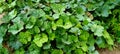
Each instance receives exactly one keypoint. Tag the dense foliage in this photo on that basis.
(58, 26)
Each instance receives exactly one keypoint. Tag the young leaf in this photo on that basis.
(40, 39)
(107, 37)
(59, 23)
(25, 37)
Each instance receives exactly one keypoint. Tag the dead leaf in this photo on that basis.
(1, 16)
(89, 15)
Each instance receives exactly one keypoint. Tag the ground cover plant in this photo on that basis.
(58, 26)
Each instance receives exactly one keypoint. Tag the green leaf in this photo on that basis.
(39, 40)
(4, 51)
(80, 10)
(80, 17)
(15, 44)
(67, 25)
(100, 42)
(46, 26)
(31, 22)
(52, 36)
(55, 16)
(97, 29)
(54, 26)
(41, 13)
(20, 51)
(75, 30)
(85, 22)
(12, 4)
(108, 38)
(55, 51)
(1, 39)
(9, 16)
(84, 36)
(58, 8)
(95, 52)
(46, 46)
(91, 48)
(78, 51)
(25, 37)
(36, 29)
(84, 47)
(1, 9)
(59, 23)
(50, 18)
(105, 11)
(16, 27)
(16, 20)
(73, 38)
(3, 30)
(12, 14)
(33, 49)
